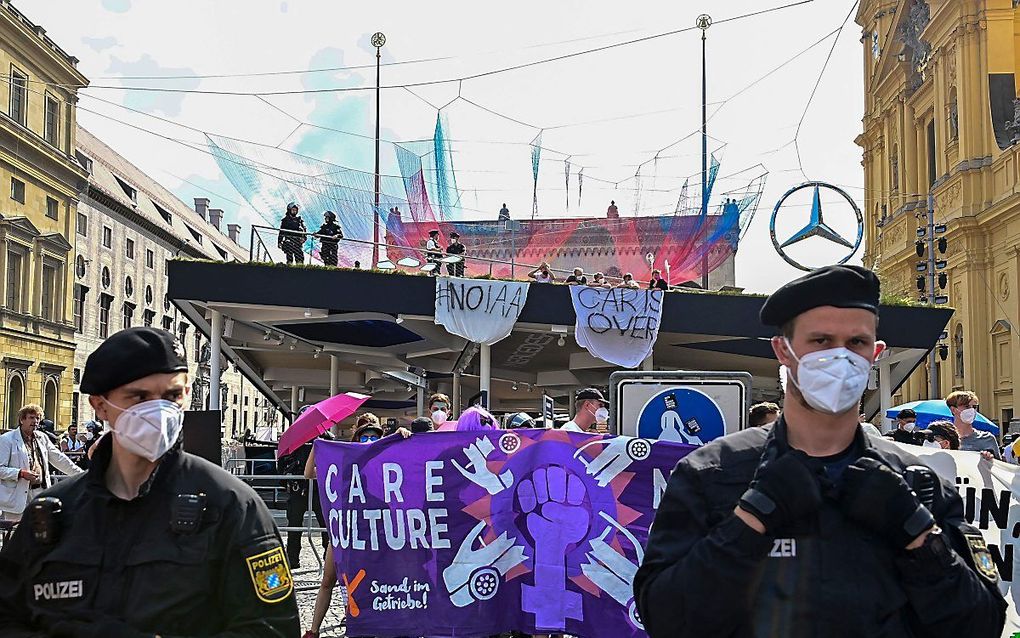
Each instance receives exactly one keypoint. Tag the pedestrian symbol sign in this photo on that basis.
(682, 415)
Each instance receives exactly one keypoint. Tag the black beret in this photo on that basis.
(840, 286)
(129, 355)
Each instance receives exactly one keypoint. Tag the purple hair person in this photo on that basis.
(474, 419)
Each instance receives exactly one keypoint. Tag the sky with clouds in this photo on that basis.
(618, 113)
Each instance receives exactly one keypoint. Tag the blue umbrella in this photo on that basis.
(936, 410)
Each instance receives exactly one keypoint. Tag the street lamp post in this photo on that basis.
(704, 22)
(378, 40)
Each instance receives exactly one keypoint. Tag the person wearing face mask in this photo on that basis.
(589, 404)
(292, 235)
(906, 428)
(151, 541)
(788, 518)
(942, 434)
(964, 406)
(439, 409)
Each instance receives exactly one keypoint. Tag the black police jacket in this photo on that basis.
(705, 573)
(329, 231)
(117, 560)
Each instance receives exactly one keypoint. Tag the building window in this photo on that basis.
(84, 161)
(958, 352)
(129, 248)
(150, 259)
(51, 130)
(15, 396)
(164, 213)
(182, 331)
(80, 267)
(147, 317)
(194, 233)
(105, 301)
(17, 190)
(19, 96)
(168, 324)
(128, 189)
(129, 314)
(894, 168)
(52, 208)
(107, 237)
(48, 301)
(15, 279)
(81, 226)
(198, 346)
(932, 164)
(50, 394)
(105, 277)
(75, 398)
(166, 303)
(79, 307)
(129, 287)
(953, 115)
(148, 295)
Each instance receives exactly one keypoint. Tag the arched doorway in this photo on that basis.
(15, 398)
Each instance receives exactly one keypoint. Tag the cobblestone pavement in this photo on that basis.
(306, 580)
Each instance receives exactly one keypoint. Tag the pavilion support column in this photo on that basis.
(215, 363)
(293, 401)
(885, 392)
(485, 373)
(455, 408)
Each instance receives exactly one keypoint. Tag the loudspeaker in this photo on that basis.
(202, 435)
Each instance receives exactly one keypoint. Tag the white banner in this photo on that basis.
(617, 325)
(991, 502)
(480, 310)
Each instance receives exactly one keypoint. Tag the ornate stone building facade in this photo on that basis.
(939, 119)
(127, 228)
(39, 189)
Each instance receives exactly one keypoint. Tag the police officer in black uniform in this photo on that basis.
(329, 235)
(151, 541)
(810, 527)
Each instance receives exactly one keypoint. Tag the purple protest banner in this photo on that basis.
(476, 533)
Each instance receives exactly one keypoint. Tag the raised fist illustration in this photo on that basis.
(556, 517)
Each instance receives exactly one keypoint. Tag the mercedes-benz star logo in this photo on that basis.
(816, 226)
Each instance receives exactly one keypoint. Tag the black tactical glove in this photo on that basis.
(101, 628)
(784, 490)
(876, 497)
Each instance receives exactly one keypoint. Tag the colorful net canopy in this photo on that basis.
(680, 238)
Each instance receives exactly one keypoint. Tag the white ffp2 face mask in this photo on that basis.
(439, 417)
(831, 381)
(969, 415)
(602, 415)
(150, 428)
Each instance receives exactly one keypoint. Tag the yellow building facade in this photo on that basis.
(40, 183)
(941, 118)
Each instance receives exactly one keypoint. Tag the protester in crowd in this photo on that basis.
(542, 274)
(628, 282)
(330, 234)
(292, 235)
(943, 434)
(72, 444)
(763, 414)
(440, 409)
(521, 420)
(657, 282)
(476, 418)
(589, 405)
(49, 428)
(357, 265)
(601, 424)
(456, 249)
(422, 425)
(599, 281)
(25, 458)
(906, 428)
(504, 213)
(577, 278)
(367, 430)
(433, 253)
(810, 527)
(1011, 448)
(964, 406)
(172, 545)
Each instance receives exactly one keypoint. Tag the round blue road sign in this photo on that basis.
(683, 415)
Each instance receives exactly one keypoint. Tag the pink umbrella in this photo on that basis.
(319, 418)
